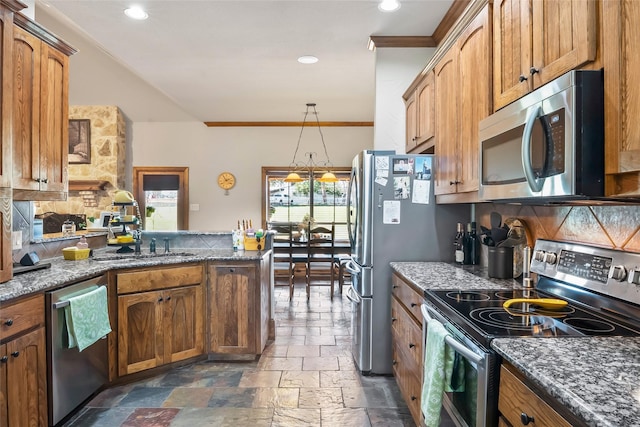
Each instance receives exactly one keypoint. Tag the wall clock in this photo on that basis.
(226, 181)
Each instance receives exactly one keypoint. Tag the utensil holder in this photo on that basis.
(500, 262)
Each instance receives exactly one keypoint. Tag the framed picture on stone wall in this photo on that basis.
(79, 141)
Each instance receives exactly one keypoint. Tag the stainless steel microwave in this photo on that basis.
(548, 144)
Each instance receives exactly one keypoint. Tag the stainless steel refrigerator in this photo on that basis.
(392, 216)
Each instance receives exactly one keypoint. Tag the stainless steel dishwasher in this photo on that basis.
(73, 376)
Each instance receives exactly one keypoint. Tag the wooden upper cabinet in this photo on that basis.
(411, 123)
(511, 50)
(621, 38)
(40, 119)
(536, 41)
(420, 115)
(462, 99)
(446, 106)
(474, 53)
(6, 40)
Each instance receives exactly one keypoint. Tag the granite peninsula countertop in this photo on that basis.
(595, 378)
(63, 272)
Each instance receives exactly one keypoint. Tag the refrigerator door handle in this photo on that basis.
(352, 267)
(355, 298)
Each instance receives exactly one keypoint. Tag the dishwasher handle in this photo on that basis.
(452, 342)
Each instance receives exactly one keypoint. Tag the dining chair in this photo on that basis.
(282, 249)
(320, 253)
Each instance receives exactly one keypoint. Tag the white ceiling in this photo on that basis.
(235, 60)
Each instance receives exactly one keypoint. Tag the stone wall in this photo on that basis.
(108, 154)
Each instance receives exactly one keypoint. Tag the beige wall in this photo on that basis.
(242, 151)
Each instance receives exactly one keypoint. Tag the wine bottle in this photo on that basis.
(471, 249)
(458, 244)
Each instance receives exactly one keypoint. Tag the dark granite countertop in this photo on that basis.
(596, 378)
(63, 272)
(442, 275)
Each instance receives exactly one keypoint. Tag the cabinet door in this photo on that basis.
(411, 123)
(474, 53)
(447, 117)
(184, 323)
(232, 309)
(425, 114)
(564, 37)
(26, 110)
(54, 121)
(511, 50)
(4, 359)
(6, 40)
(6, 259)
(27, 373)
(140, 331)
(621, 39)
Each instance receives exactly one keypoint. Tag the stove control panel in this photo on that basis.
(607, 271)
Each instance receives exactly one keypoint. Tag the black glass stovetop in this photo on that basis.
(481, 314)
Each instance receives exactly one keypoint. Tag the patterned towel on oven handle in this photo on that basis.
(443, 371)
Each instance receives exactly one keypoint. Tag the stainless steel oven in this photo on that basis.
(548, 144)
(472, 406)
(600, 288)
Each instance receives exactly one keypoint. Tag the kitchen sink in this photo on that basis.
(134, 257)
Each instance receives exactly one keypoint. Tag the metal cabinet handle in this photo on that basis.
(15, 354)
(231, 270)
(411, 345)
(534, 70)
(8, 322)
(393, 319)
(4, 359)
(413, 304)
(394, 362)
(522, 78)
(526, 419)
(44, 180)
(168, 298)
(414, 398)
(160, 299)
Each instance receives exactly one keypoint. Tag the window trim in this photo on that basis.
(139, 173)
(284, 170)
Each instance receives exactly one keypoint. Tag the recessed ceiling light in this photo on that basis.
(389, 5)
(136, 12)
(307, 59)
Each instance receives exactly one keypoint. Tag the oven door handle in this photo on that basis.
(535, 184)
(452, 342)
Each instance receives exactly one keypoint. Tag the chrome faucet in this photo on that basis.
(166, 245)
(152, 245)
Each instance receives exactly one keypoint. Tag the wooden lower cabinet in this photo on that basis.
(23, 364)
(156, 327)
(406, 335)
(518, 404)
(239, 308)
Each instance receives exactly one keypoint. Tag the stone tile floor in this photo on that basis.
(306, 377)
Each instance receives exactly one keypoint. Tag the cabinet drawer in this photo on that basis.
(408, 334)
(410, 384)
(162, 278)
(517, 400)
(411, 298)
(21, 316)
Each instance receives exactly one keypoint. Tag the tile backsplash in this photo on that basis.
(615, 227)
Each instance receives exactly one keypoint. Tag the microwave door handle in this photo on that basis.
(452, 342)
(534, 183)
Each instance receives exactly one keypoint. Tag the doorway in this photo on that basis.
(163, 196)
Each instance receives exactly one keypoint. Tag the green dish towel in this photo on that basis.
(87, 318)
(439, 361)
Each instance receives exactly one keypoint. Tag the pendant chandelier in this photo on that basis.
(310, 164)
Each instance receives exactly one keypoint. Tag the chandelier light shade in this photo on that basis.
(310, 165)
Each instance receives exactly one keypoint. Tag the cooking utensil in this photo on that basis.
(546, 303)
(496, 220)
(498, 235)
